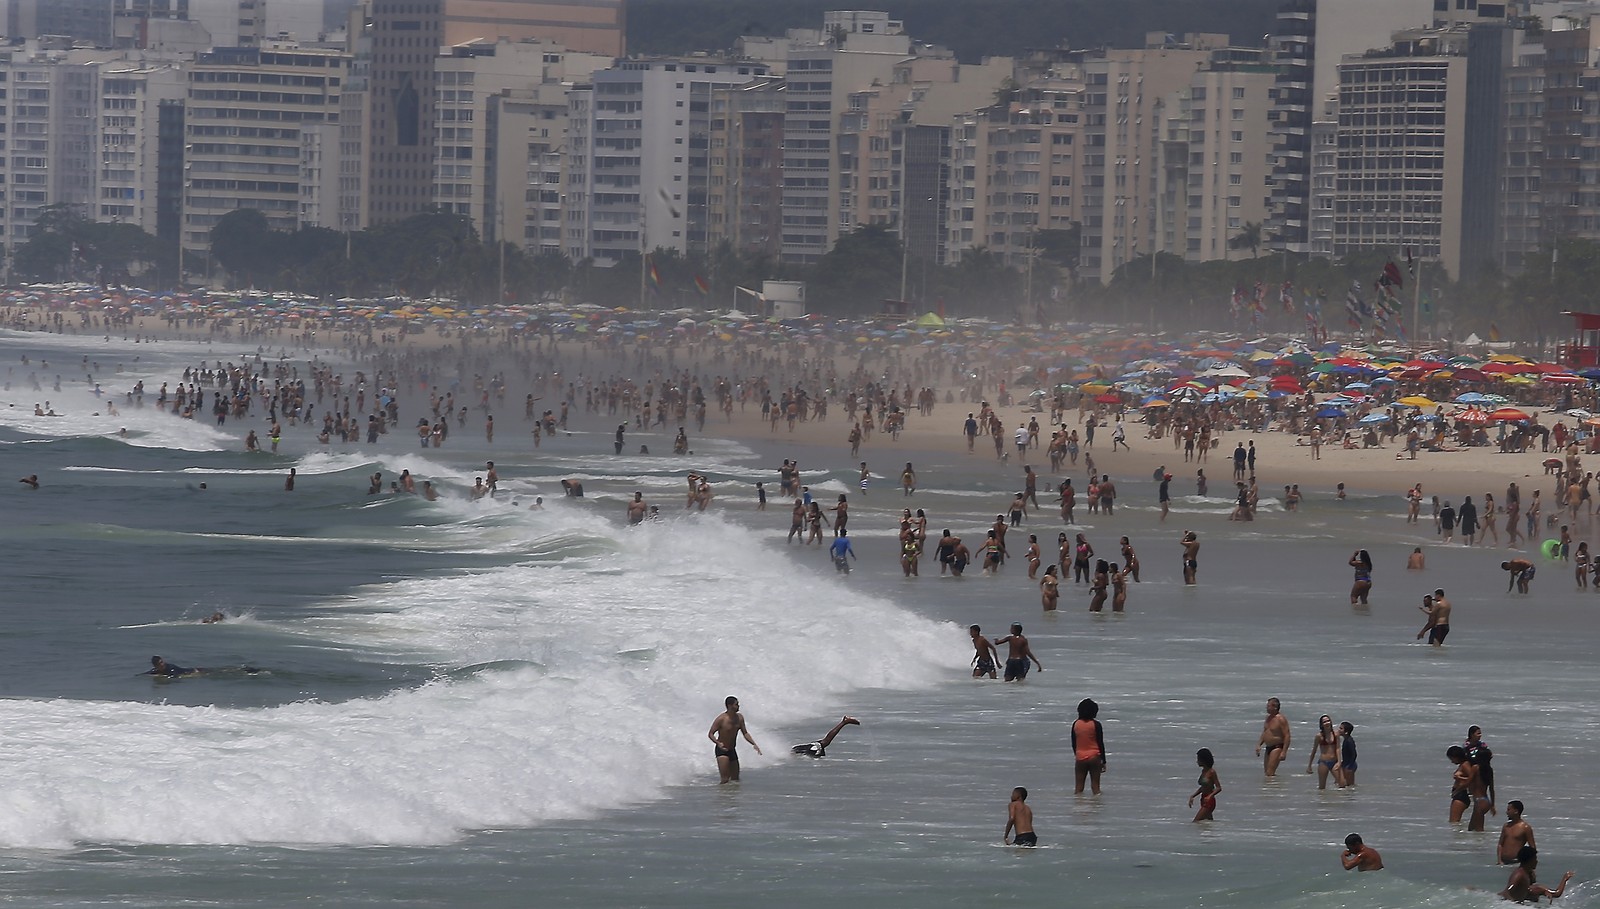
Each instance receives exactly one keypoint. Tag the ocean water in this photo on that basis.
(462, 704)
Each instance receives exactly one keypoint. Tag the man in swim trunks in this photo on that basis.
(1273, 744)
(820, 748)
(1019, 817)
(637, 509)
(1514, 836)
(1018, 654)
(1521, 571)
(983, 662)
(725, 732)
(1440, 618)
(947, 550)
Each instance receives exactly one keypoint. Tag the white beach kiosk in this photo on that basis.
(777, 300)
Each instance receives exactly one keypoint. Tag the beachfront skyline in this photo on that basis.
(1352, 129)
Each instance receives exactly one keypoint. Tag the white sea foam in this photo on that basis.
(611, 653)
(146, 427)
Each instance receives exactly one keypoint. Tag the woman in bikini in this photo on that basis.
(1129, 560)
(1325, 752)
(1102, 580)
(1032, 555)
(1461, 782)
(1362, 563)
(1049, 589)
(1119, 588)
(1210, 786)
(1081, 554)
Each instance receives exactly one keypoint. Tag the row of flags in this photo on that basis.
(1382, 316)
(700, 283)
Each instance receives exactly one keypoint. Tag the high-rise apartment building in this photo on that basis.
(527, 147)
(1309, 39)
(1228, 175)
(1017, 168)
(51, 135)
(132, 99)
(467, 77)
(1570, 179)
(1420, 147)
(405, 35)
(638, 146)
(744, 189)
(822, 73)
(1122, 157)
(262, 134)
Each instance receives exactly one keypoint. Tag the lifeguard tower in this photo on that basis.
(1583, 350)
(779, 299)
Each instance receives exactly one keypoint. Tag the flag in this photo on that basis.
(1391, 274)
(1494, 332)
(1354, 306)
(1236, 305)
(1259, 304)
(702, 285)
(1286, 297)
(655, 276)
(1411, 264)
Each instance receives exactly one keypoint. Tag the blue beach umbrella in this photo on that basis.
(1372, 418)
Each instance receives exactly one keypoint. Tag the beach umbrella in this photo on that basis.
(1563, 379)
(1108, 398)
(1508, 415)
(1472, 397)
(1580, 413)
(1373, 418)
(1329, 411)
(1417, 401)
(1473, 417)
(1157, 402)
(1359, 386)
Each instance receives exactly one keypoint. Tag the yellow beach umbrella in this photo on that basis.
(1416, 401)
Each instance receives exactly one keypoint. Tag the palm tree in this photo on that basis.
(1248, 237)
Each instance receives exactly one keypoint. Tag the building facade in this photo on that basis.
(255, 119)
(639, 143)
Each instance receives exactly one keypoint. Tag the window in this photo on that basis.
(1238, 94)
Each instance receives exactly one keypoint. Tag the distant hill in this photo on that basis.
(971, 28)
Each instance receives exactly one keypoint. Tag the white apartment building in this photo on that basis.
(822, 74)
(254, 119)
(527, 143)
(638, 155)
(131, 99)
(1228, 181)
(466, 78)
(1122, 160)
(49, 135)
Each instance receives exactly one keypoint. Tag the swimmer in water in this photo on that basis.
(1523, 887)
(1019, 817)
(31, 481)
(162, 668)
(820, 748)
(1358, 856)
(213, 618)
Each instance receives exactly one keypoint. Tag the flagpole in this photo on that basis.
(1416, 304)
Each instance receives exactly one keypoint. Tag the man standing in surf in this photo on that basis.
(724, 733)
(1274, 740)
